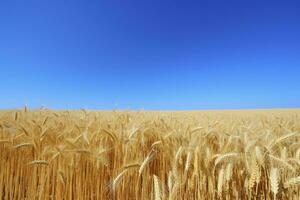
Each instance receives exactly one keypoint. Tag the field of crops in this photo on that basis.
(47, 154)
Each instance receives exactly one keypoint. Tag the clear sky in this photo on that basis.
(158, 54)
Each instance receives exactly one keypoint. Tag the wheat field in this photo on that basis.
(84, 154)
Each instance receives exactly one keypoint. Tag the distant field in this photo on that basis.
(241, 154)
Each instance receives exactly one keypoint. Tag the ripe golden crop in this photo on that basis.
(47, 154)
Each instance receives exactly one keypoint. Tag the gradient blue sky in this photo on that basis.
(150, 54)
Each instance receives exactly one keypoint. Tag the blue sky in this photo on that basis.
(156, 54)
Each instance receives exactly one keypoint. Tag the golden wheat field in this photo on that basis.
(83, 154)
